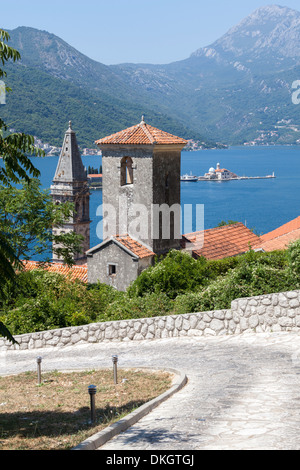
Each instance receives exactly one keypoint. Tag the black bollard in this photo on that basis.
(39, 373)
(115, 363)
(92, 391)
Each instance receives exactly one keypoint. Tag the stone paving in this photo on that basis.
(242, 393)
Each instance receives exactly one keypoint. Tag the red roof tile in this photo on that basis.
(280, 243)
(142, 134)
(222, 242)
(283, 230)
(134, 246)
(75, 272)
(280, 238)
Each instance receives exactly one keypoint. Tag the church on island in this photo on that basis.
(141, 179)
(220, 174)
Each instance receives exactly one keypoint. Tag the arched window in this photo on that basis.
(126, 171)
(167, 181)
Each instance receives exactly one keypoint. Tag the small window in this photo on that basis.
(126, 171)
(167, 181)
(112, 269)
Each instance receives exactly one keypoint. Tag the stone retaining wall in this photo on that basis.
(274, 312)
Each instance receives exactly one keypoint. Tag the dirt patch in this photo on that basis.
(56, 415)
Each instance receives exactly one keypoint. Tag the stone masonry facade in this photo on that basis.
(266, 313)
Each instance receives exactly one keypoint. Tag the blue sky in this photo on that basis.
(117, 31)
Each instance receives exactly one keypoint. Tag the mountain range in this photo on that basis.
(237, 90)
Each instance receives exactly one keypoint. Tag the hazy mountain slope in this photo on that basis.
(42, 105)
(47, 52)
(233, 90)
(242, 79)
(270, 37)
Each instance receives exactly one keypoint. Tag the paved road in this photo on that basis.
(242, 392)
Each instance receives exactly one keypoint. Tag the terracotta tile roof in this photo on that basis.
(76, 272)
(279, 243)
(283, 230)
(142, 134)
(134, 246)
(222, 242)
(280, 238)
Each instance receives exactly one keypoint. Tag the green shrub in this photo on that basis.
(41, 300)
(176, 273)
(249, 279)
(293, 254)
(150, 305)
(177, 284)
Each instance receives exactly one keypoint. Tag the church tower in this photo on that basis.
(141, 203)
(141, 170)
(70, 184)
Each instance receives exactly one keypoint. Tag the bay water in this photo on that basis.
(261, 204)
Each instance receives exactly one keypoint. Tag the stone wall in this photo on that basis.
(274, 312)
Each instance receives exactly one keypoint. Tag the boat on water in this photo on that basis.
(189, 178)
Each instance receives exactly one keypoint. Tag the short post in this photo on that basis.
(92, 391)
(115, 363)
(39, 374)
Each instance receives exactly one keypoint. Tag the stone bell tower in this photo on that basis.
(141, 175)
(70, 184)
(141, 203)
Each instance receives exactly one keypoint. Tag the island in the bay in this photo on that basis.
(221, 174)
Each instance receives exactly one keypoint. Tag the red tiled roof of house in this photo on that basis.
(279, 243)
(283, 230)
(75, 272)
(222, 242)
(142, 134)
(134, 246)
(280, 238)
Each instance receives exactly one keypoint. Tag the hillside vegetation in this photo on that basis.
(178, 284)
(237, 89)
(42, 105)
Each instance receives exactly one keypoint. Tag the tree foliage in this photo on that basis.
(14, 150)
(6, 52)
(27, 216)
(14, 147)
(7, 273)
(40, 300)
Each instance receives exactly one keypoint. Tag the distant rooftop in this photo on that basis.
(280, 238)
(222, 242)
(135, 247)
(75, 272)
